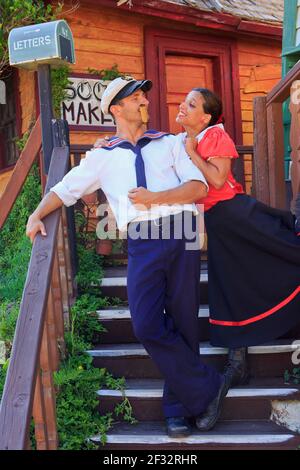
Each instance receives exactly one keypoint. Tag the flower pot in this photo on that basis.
(104, 247)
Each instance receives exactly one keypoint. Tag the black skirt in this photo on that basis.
(253, 272)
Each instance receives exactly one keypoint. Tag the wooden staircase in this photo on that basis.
(247, 420)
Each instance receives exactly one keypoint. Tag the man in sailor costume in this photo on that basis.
(163, 275)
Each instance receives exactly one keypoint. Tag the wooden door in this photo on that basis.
(182, 74)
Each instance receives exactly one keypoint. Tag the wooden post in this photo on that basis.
(58, 307)
(63, 272)
(52, 336)
(48, 389)
(39, 415)
(276, 155)
(295, 146)
(45, 97)
(260, 162)
(67, 253)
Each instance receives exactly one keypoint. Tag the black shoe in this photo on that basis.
(212, 414)
(236, 371)
(178, 427)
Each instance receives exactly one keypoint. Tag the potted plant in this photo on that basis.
(104, 247)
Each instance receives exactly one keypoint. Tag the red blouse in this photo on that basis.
(217, 143)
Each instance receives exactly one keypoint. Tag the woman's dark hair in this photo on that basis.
(212, 105)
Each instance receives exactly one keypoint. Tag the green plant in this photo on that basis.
(15, 247)
(77, 405)
(9, 312)
(292, 376)
(59, 82)
(107, 74)
(84, 319)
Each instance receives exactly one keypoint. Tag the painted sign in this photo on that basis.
(82, 107)
(45, 43)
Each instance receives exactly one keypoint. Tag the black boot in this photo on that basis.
(178, 427)
(236, 371)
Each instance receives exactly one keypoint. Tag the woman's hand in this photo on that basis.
(141, 198)
(102, 142)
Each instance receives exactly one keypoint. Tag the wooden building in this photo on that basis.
(232, 47)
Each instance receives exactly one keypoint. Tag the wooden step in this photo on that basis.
(114, 284)
(250, 402)
(117, 322)
(233, 435)
(132, 360)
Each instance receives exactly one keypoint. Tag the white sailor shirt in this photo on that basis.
(112, 169)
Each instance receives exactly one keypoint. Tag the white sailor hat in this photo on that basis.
(120, 88)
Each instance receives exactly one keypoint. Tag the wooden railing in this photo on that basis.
(269, 143)
(20, 172)
(39, 337)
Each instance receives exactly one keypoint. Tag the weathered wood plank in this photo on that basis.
(126, 63)
(252, 58)
(110, 47)
(63, 273)
(39, 415)
(48, 389)
(52, 335)
(276, 155)
(58, 307)
(260, 158)
(99, 33)
(17, 400)
(67, 255)
(108, 19)
(20, 172)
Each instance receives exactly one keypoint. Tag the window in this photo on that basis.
(8, 124)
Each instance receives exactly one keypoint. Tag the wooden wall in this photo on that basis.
(27, 98)
(260, 70)
(4, 178)
(104, 37)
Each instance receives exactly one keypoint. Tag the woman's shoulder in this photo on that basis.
(217, 142)
(216, 133)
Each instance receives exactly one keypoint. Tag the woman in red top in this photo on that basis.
(253, 249)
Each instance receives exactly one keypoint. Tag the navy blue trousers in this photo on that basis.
(163, 292)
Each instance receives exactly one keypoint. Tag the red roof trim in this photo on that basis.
(207, 19)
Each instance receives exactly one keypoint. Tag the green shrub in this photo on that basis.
(78, 417)
(15, 247)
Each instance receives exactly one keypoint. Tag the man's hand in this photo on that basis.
(141, 197)
(102, 142)
(34, 225)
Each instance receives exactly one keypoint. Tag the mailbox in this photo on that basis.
(45, 43)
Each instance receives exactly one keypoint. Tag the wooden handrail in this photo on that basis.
(281, 92)
(269, 143)
(20, 172)
(29, 377)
